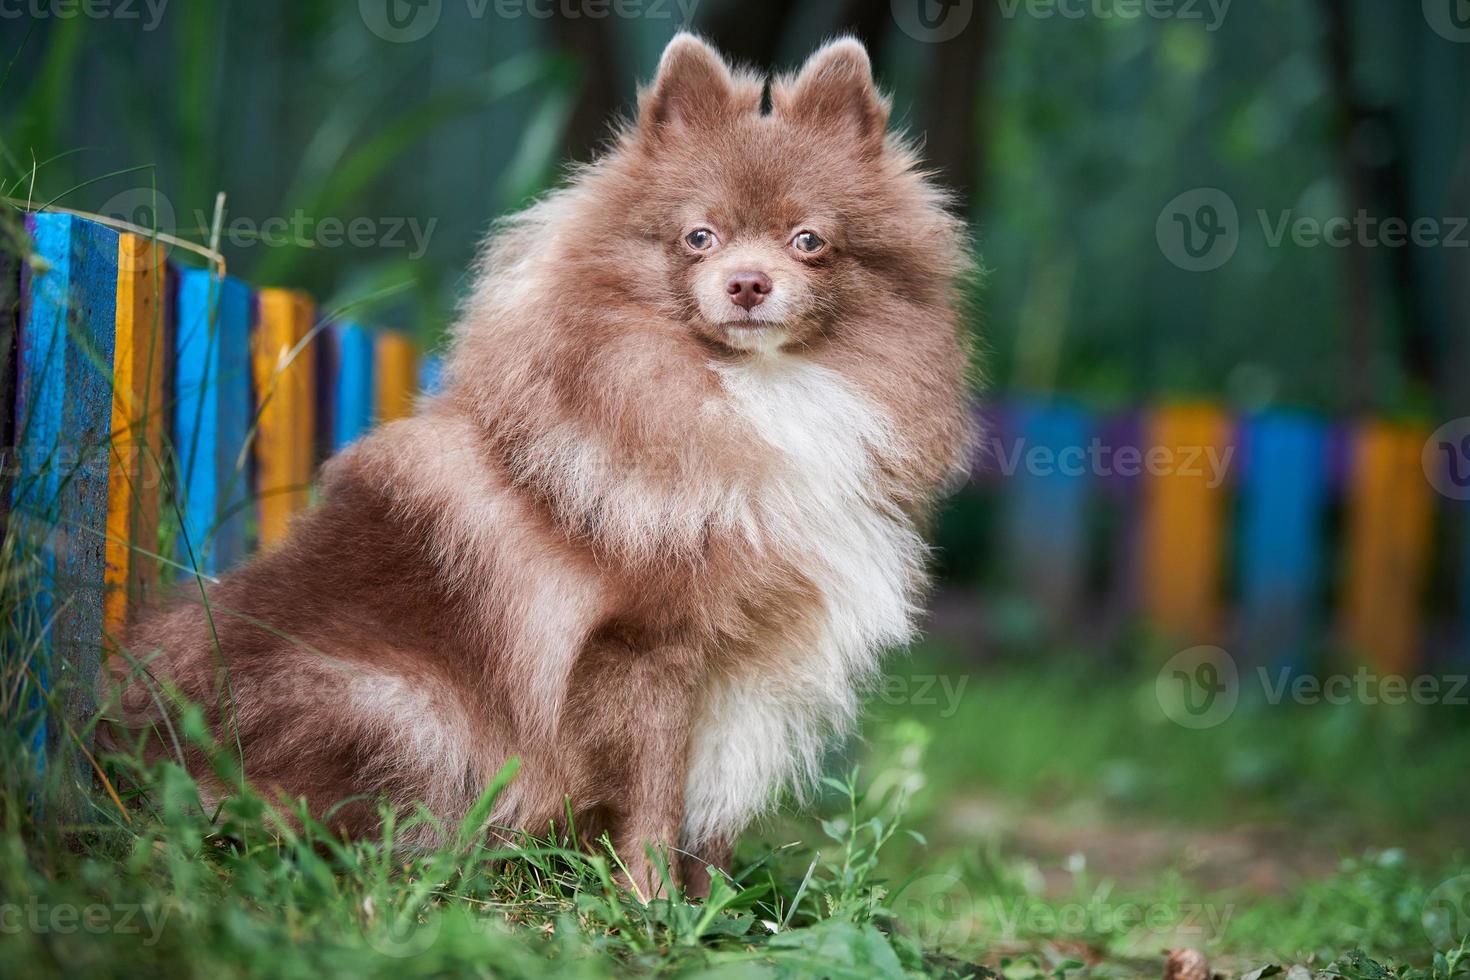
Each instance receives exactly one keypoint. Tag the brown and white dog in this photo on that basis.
(659, 528)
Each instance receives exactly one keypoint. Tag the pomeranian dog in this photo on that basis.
(663, 521)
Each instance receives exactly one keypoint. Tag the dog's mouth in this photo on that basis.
(758, 336)
(752, 325)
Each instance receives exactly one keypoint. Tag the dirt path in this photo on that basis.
(1259, 859)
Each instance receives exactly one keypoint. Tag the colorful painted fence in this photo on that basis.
(1284, 536)
(165, 421)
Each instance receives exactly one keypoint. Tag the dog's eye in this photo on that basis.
(700, 239)
(809, 242)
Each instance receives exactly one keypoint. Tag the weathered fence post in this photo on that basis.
(138, 406)
(282, 356)
(1282, 530)
(64, 362)
(211, 418)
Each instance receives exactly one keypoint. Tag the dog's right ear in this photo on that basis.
(693, 85)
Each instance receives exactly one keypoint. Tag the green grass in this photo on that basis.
(874, 882)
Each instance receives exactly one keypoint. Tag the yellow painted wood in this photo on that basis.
(140, 354)
(396, 372)
(1183, 534)
(285, 379)
(1390, 527)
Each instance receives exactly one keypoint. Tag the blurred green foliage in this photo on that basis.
(1081, 130)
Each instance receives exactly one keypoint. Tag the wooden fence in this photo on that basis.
(1282, 535)
(153, 404)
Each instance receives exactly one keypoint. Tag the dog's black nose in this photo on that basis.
(748, 289)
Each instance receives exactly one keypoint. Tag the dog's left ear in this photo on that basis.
(835, 88)
(693, 86)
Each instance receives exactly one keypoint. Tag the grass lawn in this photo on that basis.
(1040, 822)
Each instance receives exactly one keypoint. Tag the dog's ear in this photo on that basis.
(835, 88)
(693, 85)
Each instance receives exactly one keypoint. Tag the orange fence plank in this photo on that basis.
(1390, 522)
(139, 355)
(285, 375)
(397, 376)
(1187, 456)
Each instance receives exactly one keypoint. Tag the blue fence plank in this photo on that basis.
(9, 321)
(212, 412)
(431, 374)
(1048, 474)
(63, 420)
(353, 388)
(1283, 508)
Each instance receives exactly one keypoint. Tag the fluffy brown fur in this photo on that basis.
(650, 540)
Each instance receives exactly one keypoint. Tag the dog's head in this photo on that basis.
(763, 230)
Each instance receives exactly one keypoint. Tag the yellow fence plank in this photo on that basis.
(1390, 523)
(139, 357)
(285, 376)
(396, 371)
(1184, 519)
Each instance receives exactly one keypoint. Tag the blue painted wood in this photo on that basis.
(9, 324)
(1283, 509)
(1048, 473)
(212, 412)
(353, 410)
(59, 499)
(431, 374)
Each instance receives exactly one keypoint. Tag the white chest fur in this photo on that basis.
(763, 730)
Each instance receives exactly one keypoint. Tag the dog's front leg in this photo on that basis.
(657, 717)
(694, 866)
